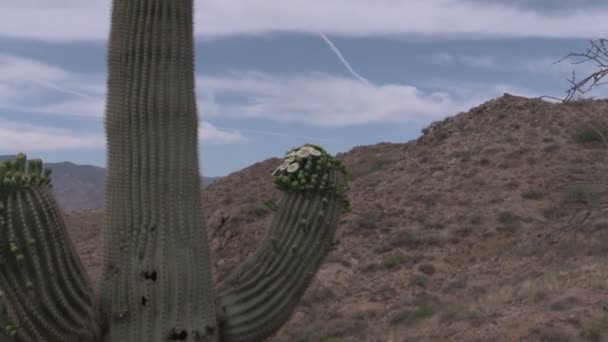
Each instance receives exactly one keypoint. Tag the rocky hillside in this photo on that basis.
(486, 228)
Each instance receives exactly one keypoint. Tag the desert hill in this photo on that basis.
(467, 233)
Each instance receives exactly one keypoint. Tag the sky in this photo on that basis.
(275, 74)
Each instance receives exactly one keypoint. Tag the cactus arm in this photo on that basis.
(260, 296)
(45, 294)
(156, 278)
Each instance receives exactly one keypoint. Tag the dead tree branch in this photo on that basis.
(598, 53)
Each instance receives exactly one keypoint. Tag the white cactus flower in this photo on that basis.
(314, 152)
(302, 153)
(283, 166)
(289, 160)
(293, 168)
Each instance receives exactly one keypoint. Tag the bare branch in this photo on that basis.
(598, 53)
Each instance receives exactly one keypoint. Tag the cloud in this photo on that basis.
(472, 94)
(311, 99)
(481, 61)
(210, 134)
(14, 67)
(291, 135)
(93, 108)
(320, 99)
(63, 93)
(15, 136)
(316, 99)
(89, 20)
(55, 90)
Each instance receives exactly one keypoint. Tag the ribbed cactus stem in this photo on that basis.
(45, 294)
(260, 296)
(156, 281)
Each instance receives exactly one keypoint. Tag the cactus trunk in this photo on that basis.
(156, 281)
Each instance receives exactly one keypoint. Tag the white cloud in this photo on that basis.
(210, 134)
(291, 135)
(16, 136)
(14, 67)
(328, 100)
(481, 61)
(82, 96)
(28, 85)
(87, 108)
(85, 20)
(474, 93)
(22, 80)
(313, 99)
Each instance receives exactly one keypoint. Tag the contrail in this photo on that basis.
(62, 89)
(341, 58)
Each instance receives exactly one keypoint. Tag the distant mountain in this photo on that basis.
(77, 187)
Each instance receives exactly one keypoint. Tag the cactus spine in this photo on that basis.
(45, 294)
(156, 279)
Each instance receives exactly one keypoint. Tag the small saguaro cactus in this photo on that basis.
(45, 294)
(156, 280)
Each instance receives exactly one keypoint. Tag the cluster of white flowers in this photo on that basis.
(290, 164)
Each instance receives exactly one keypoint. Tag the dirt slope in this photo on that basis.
(460, 235)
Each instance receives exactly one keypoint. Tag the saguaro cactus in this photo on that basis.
(156, 278)
(45, 294)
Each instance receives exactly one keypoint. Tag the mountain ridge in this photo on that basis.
(81, 186)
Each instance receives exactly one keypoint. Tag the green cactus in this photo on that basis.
(156, 278)
(260, 296)
(45, 294)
